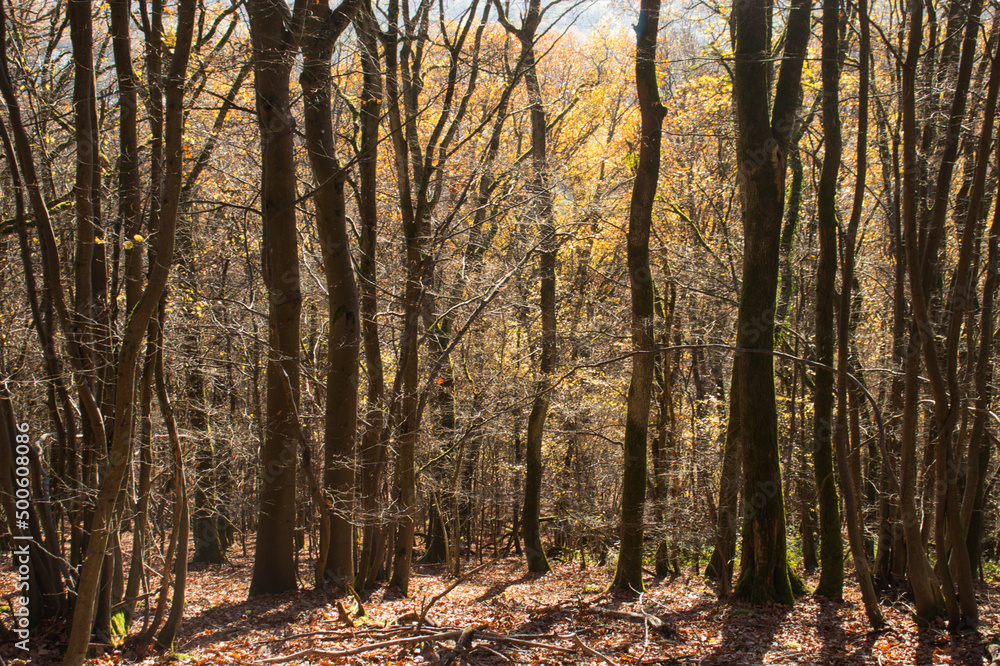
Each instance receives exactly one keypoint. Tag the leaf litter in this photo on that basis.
(501, 614)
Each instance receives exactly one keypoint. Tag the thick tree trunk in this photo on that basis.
(274, 560)
(762, 141)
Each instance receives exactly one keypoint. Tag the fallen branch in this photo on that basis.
(462, 645)
(561, 607)
(497, 638)
(339, 633)
(337, 654)
(645, 627)
(664, 629)
(495, 653)
(591, 651)
(653, 621)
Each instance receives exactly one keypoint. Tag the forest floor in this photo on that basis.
(563, 617)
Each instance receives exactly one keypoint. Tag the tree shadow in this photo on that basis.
(689, 616)
(496, 589)
(233, 618)
(837, 643)
(963, 647)
(541, 623)
(747, 633)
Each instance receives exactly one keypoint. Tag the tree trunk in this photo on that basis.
(323, 28)
(274, 560)
(831, 92)
(628, 575)
(890, 557)
(166, 635)
(924, 233)
(541, 207)
(414, 225)
(140, 510)
(664, 442)
(831, 544)
(373, 440)
(720, 566)
(120, 450)
(419, 180)
(762, 143)
(207, 544)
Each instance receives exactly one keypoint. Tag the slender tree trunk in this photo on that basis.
(980, 449)
(373, 439)
(120, 450)
(923, 249)
(166, 635)
(831, 90)
(721, 564)
(831, 551)
(890, 557)
(48, 593)
(926, 592)
(541, 206)
(628, 575)
(405, 473)
(140, 511)
(323, 28)
(664, 443)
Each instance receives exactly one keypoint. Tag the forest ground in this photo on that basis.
(222, 627)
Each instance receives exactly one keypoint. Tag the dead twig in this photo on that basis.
(645, 627)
